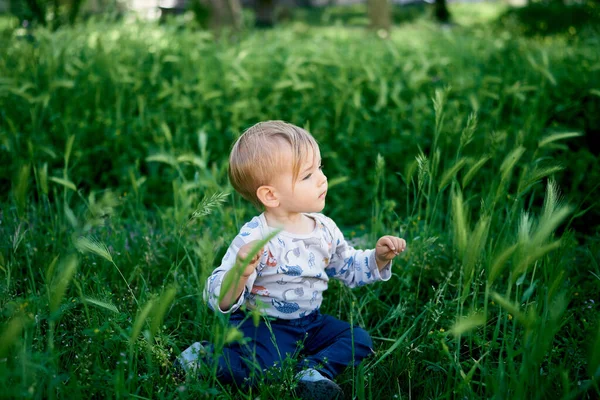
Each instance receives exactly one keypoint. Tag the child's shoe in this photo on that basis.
(314, 386)
(190, 360)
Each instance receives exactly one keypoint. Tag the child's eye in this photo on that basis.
(307, 177)
(321, 166)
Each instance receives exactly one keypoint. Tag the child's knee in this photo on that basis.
(362, 339)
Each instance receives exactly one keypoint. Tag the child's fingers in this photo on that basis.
(256, 258)
(391, 246)
(386, 241)
(244, 251)
(400, 245)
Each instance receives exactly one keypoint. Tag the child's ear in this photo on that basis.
(267, 196)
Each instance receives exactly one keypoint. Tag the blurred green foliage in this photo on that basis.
(115, 88)
(549, 18)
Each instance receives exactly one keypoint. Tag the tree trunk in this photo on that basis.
(75, 11)
(56, 17)
(265, 13)
(38, 10)
(441, 11)
(379, 14)
(225, 13)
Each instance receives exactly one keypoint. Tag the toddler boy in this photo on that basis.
(277, 167)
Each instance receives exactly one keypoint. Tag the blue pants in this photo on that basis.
(326, 343)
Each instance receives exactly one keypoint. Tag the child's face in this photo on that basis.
(308, 192)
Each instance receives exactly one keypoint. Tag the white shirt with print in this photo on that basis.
(295, 269)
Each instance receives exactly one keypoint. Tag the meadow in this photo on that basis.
(473, 142)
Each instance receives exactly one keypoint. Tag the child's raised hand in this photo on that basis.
(387, 248)
(244, 252)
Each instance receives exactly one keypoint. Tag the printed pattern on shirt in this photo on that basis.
(294, 270)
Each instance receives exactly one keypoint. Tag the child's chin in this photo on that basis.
(316, 208)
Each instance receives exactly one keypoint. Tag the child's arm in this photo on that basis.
(227, 285)
(232, 295)
(360, 267)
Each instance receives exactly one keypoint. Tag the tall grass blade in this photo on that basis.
(423, 169)
(11, 334)
(160, 309)
(338, 180)
(530, 179)
(513, 309)
(191, 159)
(557, 136)
(553, 213)
(379, 166)
(439, 103)
(64, 182)
(499, 262)
(552, 200)
(163, 158)
(167, 133)
(68, 150)
(99, 211)
(233, 335)
(531, 255)
(94, 246)
(556, 284)
(101, 304)
(594, 360)
(473, 171)
(61, 281)
(459, 223)
(136, 183)
(70, 216)
(467, 324)
(208, 204)
(468, 377)
(409, 171)
(232, 277)
(50, 270)
(469, 131)
(543, 69)
(397, 343)
(378, 194)
(524, 230)
(203, 145)
(510, 161)
(476, 244)
(42, 177)
(140, 319)
(20, 189)
(450, 173)
(382, 99)
(547, 225)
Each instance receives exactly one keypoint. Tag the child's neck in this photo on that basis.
(296, 223)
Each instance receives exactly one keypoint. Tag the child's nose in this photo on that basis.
(323, 179)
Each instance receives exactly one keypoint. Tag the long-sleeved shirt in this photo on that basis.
(294, 269)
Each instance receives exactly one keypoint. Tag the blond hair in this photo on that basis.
(257, 155)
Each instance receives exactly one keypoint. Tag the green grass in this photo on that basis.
(114, 139)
